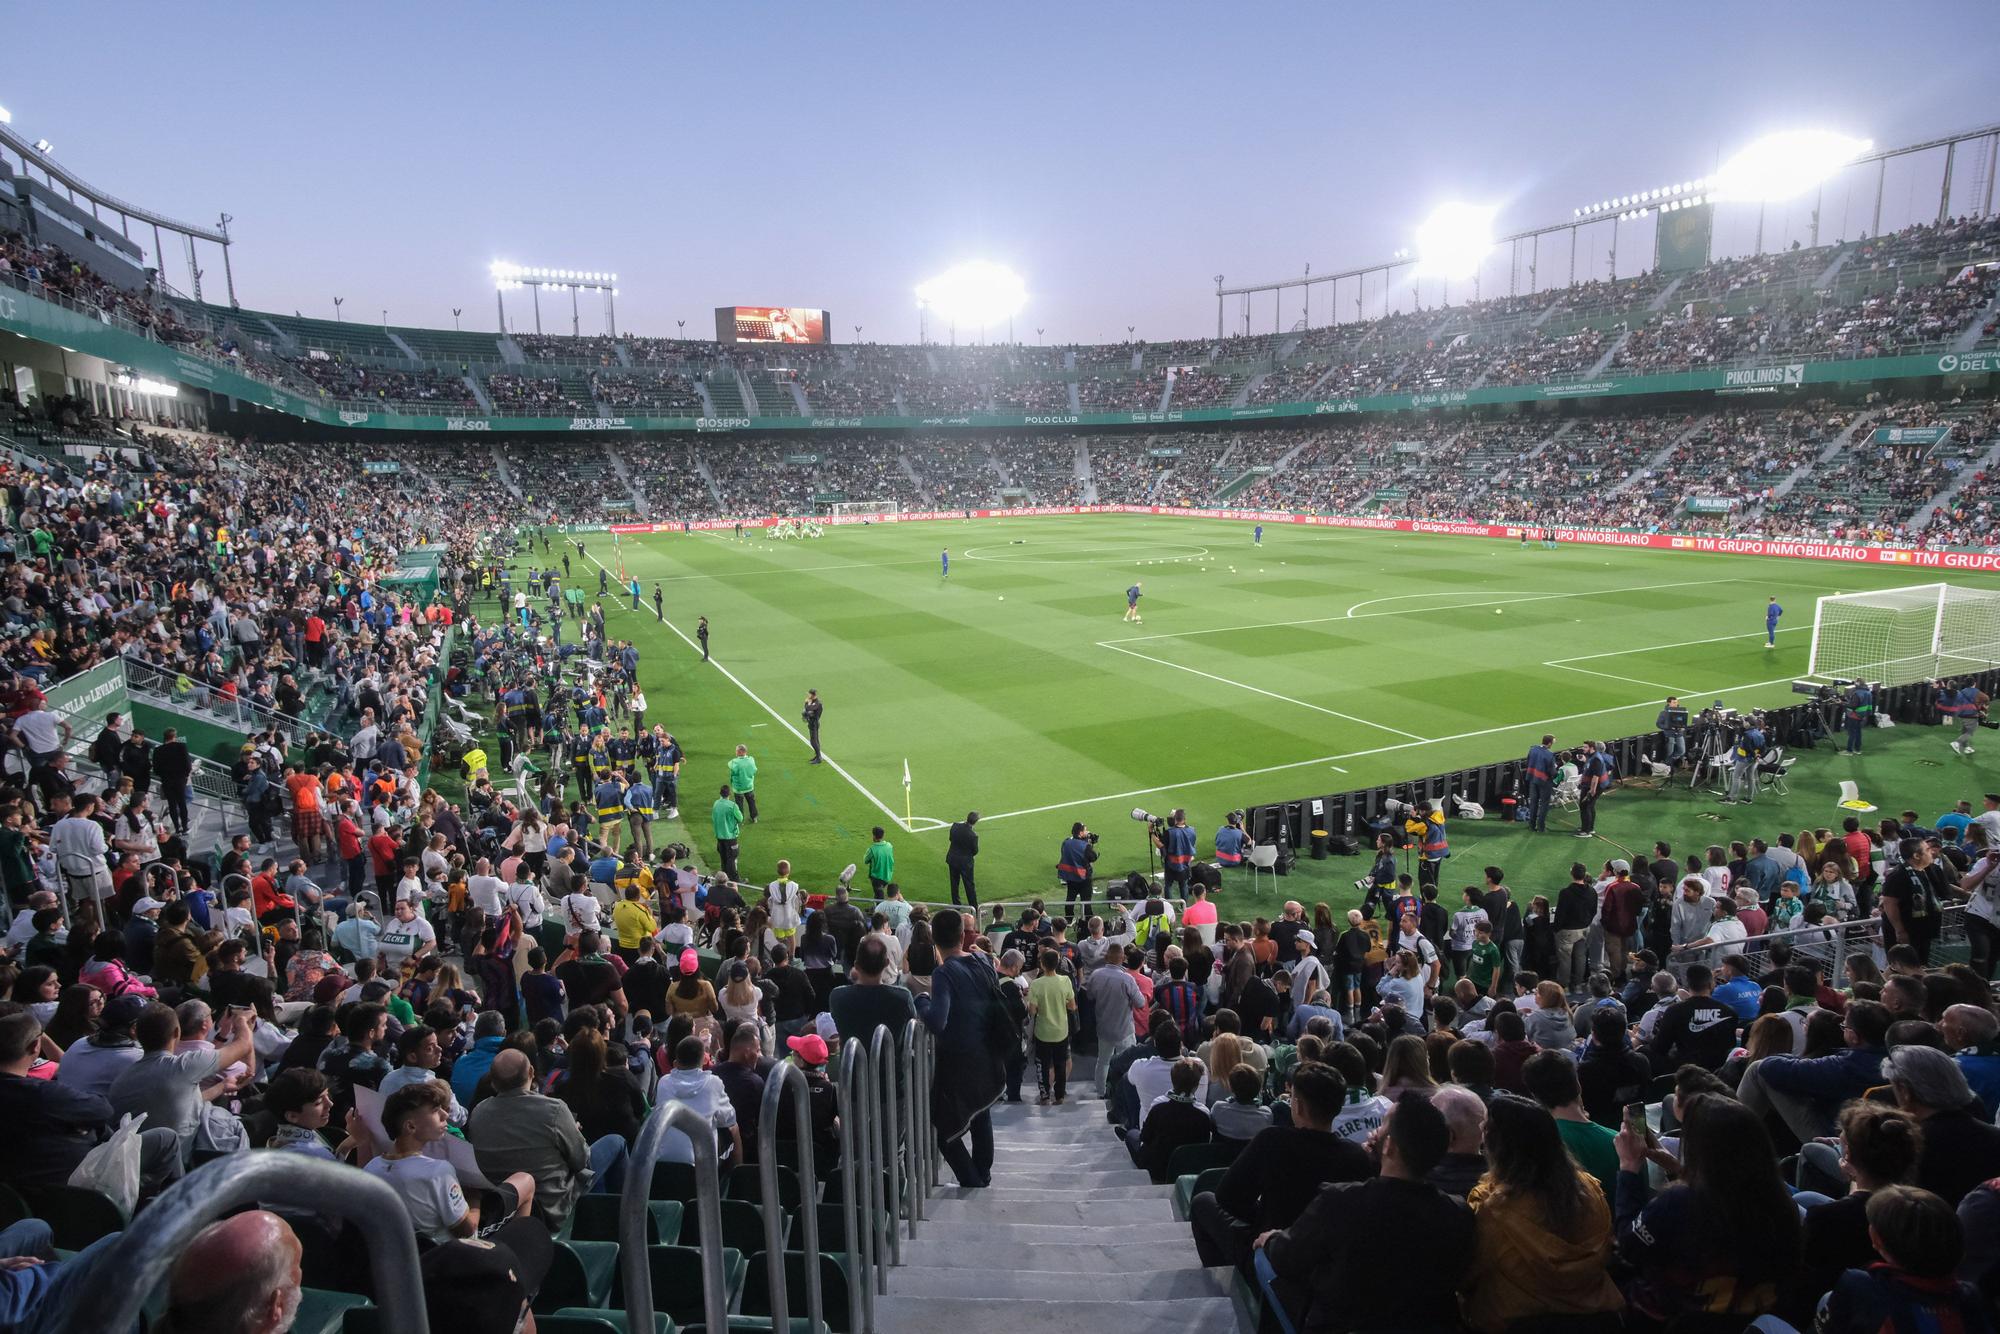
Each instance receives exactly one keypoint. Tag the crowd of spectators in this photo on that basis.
(588, 350)
(528, 393)
(654, 390)
(1194, 387)
(1655, 1094)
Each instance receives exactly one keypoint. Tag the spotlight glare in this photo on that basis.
(978, 292)
(1787, 164)
(1454, 239)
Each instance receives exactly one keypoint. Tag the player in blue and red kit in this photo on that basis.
(1771, 615)
(1132, 603)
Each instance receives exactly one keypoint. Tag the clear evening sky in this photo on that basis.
(835, 155)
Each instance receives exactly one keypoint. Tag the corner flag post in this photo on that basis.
(906, 791)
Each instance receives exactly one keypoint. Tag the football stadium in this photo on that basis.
(518, 813)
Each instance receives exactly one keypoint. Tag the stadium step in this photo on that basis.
(1070, 1236)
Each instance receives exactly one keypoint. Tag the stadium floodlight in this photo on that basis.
(6, 116)
(1454, 239)
(975, 293)
(45, 148)
(1786, 165)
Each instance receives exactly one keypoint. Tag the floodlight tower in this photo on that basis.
(979, 292)
(514, 277)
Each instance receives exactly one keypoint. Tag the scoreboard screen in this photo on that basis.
(770, 324)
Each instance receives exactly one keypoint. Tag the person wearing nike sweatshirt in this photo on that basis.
(1697, 1029)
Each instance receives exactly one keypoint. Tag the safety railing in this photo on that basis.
(634, 1261)
(857, 1168)
(786, 1078)
(140, 1260)
(1829, 945)
(886, 1184)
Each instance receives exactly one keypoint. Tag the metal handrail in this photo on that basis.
(633, 1258)
(887, 1132)
(856, 1166)
(786, 1077)
(912, 1143)
(140, 1260)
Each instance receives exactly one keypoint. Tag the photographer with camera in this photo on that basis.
(1176, 842)
(1857, 708)
(1073, 863)
(1743, 760)
(1232, 845)
(1966, 704)
(1673, 725)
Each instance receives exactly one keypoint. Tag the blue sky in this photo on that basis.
(835, 155)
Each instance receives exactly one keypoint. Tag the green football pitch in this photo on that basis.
(1321, 661)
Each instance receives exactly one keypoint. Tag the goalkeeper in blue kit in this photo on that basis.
(1771, 615)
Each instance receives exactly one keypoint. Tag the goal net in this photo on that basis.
(1899, 635)
(862, 507)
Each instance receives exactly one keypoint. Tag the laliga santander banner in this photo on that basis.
(1792, 548)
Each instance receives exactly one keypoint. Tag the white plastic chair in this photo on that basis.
(1206, 930)
(1264, 857)
(1850, 797)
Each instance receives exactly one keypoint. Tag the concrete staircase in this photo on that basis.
(1070, 1236)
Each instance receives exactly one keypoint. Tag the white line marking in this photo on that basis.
(1497, 600)
(1258, 690)
(1613, 676)
(1685, 643)
(1350, 755)
(782, 721)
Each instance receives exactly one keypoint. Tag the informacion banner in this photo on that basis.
(1912, 435)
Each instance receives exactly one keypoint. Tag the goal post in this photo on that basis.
(844, 507)
(1897, 636)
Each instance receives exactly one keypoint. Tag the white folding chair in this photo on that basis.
(1206, 930)
(1772, 778)
(1264, 857)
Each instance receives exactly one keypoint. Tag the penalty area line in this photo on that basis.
(1259, 690)
(781, 720)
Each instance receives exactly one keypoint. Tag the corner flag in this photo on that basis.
(906, 789)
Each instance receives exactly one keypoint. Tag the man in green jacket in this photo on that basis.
(728, 818)
(881, 861)
(743, 783)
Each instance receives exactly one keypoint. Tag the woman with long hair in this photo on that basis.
(1542, 1228)
(1225, 1053)
(606, 1101)
(1263, 950)
(1769, 1035)
(76, 1015)
(691, 994)
(919, 957)
(740, 999)
(1538, 927)
(1407, 1068)
(40, 989)
(1724, 1238)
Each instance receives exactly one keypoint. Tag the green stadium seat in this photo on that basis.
(675, 1181)
(748, 1185)
(323, 1312)
(677, 1279)
(832, 1281)
(596, 1219)
(12, 1207)
(77, 1216)
(1194, 1159)
(587, 1320)
(581, 1274)
(742, 1226)
(1187, 1187)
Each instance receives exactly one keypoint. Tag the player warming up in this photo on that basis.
(1132, 605)
(1257, 537)
(1771, 615)
(944, 563)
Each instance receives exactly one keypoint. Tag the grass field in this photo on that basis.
(1322, 661)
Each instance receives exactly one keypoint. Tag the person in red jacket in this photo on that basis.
(1623, 901)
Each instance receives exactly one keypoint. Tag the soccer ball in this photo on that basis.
(1496, 611)
(1003, 597)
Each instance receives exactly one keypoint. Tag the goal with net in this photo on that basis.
(1895, 636)
(844, 507)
